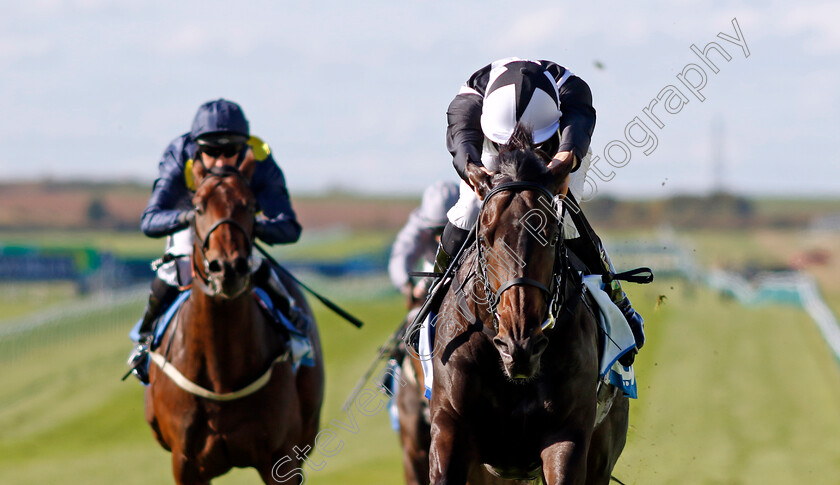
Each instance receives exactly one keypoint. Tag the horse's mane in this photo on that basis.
(519, 161)
(221, 175)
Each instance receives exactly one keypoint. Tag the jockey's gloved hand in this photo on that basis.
(260, 228)
(185, 218)
(563, 162)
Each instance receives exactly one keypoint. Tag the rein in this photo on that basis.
(210, 288)
(551, 292)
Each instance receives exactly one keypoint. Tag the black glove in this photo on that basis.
(259, 228)
(186, 218)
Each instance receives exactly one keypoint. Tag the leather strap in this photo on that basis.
(521, 282)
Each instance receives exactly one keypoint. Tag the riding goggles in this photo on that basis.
(223, 150)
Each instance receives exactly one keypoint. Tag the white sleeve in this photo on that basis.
(407, 250)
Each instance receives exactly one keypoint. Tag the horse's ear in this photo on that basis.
(199, 171)
(247, 167)
(480, 180)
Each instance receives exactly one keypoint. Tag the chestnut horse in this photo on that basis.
(221, 341)
(516, 372)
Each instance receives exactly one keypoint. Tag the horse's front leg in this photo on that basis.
(286, 466)
(564, 461)
(450, 456)
(186, 471)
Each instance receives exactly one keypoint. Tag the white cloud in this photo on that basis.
(365, 88)
(189, 39)
(62, 7)
(819, 22)
(24, 47)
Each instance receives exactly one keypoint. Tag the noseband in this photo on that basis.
(551, 293)
(208, 285)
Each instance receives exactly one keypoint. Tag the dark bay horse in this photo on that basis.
(415, 427)
(248, 408)
(514, 389)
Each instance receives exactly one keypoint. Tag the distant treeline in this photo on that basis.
(719, 211)
(118, 206)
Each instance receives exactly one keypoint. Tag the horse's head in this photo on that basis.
(517, 235)
(223, 229)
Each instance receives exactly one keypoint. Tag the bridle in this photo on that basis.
(551, 291)
(208, 285)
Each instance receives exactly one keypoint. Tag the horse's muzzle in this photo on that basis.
(229, 279)
(521, 358)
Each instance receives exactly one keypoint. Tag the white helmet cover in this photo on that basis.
(520, 91)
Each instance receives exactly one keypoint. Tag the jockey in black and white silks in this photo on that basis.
(557, 106)
(555, 103)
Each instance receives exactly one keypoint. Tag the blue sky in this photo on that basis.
(354, 94)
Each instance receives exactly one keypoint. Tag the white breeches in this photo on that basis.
(178, 272)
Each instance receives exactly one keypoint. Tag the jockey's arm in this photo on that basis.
(169, 204)
(578, 120)
(277, 224)
(407, 250)
(463, 132)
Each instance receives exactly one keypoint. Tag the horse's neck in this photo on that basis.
(229, 320)
(226, 336)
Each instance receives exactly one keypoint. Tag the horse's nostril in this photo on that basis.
(539, 345)
(215, 266)
(502, 345)
(241, 266)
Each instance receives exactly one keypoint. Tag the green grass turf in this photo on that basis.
(128, 243)
(21, 298)
(314, 244)
(335, 245)
(66, 416)
(728, 395)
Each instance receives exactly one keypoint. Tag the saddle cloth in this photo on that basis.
(618, 340)
(301, 346)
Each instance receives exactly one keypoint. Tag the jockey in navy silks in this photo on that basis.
(220, 136)
(557, 106)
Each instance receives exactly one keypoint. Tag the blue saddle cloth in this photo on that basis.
(299, 341)
(162, 323)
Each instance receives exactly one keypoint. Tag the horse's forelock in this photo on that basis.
(518, 162)
(227, 185)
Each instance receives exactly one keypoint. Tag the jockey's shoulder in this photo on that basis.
(184, 148)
